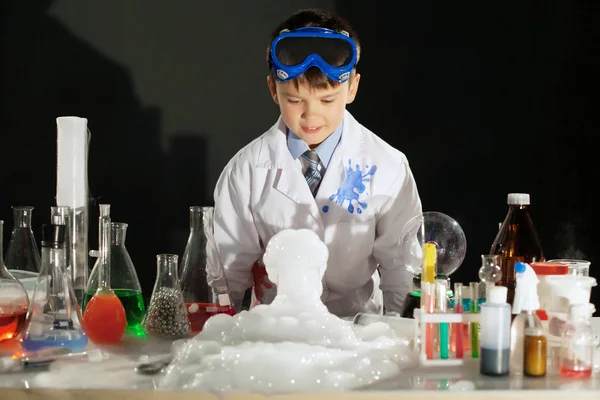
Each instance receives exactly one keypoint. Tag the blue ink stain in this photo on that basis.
(352, 187)
(325, 208)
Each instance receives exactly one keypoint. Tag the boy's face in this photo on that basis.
(313, 114)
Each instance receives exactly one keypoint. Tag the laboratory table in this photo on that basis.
(115, 379)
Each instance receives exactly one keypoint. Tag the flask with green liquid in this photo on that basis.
(123, 281)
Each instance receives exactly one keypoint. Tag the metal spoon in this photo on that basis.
(154, 367)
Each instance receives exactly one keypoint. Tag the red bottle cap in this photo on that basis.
(549, 268)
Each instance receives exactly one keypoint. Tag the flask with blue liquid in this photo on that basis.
(54, 317)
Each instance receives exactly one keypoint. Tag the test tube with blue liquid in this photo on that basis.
(54, 317)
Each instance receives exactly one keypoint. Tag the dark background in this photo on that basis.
(485, 98)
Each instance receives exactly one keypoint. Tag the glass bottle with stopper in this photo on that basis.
(167, 315)
(13, 300)
(123, 280)
(105, 319)
(22, 253)
(438, 231)
(490, 273)
(54, 316)
(203, 282)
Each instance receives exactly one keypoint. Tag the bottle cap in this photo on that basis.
(53, 235)
(497, 295)
(581, 311)
(520, 199)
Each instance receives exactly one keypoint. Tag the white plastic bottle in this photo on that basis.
(494, 338)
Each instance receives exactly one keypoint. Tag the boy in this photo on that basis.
(318, 168)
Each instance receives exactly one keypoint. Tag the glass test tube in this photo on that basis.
(428, 297)
(457, 328)
(474, 325)
(441, 289)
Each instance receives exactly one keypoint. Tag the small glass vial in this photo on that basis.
(534, 357)
(577, 348)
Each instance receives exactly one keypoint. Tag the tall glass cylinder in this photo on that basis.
(72, 191)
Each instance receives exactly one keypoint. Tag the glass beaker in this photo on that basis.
(203, 282)
(22, 253)
(13, 300)
(576, 267)
(123, 280)
(104, 317)
(54, 317)
(167, 314)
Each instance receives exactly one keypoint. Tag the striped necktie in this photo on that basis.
(312, 174)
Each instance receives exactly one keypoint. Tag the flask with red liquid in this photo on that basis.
(104, 317)
(13, 300)
(203, 282)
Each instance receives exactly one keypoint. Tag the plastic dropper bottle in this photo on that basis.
(104, 317)
(577, 348)
(527, 342)
(495, 333)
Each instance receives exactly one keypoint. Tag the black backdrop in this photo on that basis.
(484, 98)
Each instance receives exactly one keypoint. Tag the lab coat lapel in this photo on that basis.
(289, 180)
(349, 148)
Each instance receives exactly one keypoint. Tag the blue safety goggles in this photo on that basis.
(294, 52)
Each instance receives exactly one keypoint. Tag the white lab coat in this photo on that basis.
(262, 191)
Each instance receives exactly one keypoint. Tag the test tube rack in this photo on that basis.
(421, 319)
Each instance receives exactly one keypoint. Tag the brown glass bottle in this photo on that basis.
(516, 241)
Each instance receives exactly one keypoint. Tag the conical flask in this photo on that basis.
(123, 280)
(203, 282)
(13, 300)
(54, 317)
(167, 314)
(22, 253)
(104, 317)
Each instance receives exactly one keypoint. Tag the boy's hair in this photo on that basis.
(317, 18)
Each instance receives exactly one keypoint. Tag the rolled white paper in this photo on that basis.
(71, 166)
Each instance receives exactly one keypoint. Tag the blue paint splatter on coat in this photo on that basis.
(352, 187)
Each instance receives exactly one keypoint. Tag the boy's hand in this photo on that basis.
(261, 279)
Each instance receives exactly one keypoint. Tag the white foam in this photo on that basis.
(294, 344)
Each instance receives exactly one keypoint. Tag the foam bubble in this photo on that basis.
(294, 344)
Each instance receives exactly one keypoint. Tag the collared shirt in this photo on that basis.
(325, 150)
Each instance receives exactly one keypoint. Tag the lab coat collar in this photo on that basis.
(274, 153)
